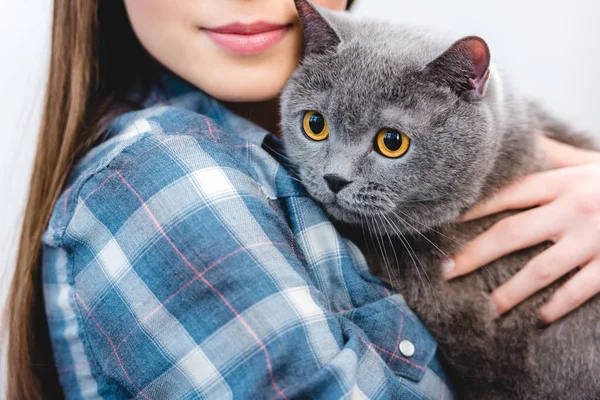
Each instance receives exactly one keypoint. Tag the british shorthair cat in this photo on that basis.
(396, 131)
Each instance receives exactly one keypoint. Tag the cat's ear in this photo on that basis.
(465, 66)
(319, 35)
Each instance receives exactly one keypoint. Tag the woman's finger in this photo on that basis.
(540, 272)
(510, 234)
(532, 190)
(563, 155)
(580, 288)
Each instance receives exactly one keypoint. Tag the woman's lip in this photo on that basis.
(247, 39)
(254, 28)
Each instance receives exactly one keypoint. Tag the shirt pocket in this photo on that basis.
(396, 333)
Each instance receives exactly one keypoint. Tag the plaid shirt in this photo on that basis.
(184, 260)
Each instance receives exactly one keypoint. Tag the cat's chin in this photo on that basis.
(341, 213)
(408, 220)
(340, 210)
(344, 214)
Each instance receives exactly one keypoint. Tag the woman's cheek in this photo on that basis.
(164, 29)
(337, 5)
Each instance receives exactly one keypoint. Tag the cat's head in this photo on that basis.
(383, 121)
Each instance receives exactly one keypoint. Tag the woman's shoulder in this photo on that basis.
(154, 148)
(153, 126)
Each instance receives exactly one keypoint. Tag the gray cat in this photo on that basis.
(398, 132)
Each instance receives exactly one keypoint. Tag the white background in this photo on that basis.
(551, 49)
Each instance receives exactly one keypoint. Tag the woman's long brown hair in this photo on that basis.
(95, 60)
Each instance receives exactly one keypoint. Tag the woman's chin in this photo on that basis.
(245, 79)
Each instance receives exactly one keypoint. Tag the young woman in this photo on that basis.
(167, 253)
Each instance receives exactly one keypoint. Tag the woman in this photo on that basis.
(180, 259)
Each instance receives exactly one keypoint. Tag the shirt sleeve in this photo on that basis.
(187, 284)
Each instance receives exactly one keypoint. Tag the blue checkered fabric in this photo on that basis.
(184, 260)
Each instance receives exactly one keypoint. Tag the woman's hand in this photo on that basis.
(567, 213)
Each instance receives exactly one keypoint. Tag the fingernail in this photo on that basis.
(544, 320)
(494, 310)
(448, 266)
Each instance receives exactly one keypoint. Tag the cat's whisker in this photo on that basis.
(405, 223)
(276, 152)
(390, 275)
(397, 265)
(462, 244)
(362, 227)
(485, 267)
(424, 200)
(371, 234)
(416, 262)
(295, 179)
(382, 249)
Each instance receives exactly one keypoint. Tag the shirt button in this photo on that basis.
(407, 348)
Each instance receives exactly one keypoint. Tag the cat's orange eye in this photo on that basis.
(315, 126)
(392, 143)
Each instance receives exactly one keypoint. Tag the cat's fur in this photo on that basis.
(469, 138)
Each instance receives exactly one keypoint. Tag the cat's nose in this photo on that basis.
(335, 182)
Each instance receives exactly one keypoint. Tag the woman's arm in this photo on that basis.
(187, 283)
(567, 212)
